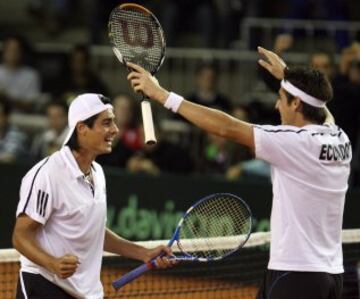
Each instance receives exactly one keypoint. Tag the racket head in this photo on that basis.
(213, 228)
(137, 36)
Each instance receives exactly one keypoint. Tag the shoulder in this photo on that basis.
(38, 171)
(280, 129)
(43, 169)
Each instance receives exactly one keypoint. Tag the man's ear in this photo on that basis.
(297, 104)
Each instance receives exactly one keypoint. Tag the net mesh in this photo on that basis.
(138, 36)
(207, 222)
(237, 276)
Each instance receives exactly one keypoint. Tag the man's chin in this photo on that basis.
(106, 150)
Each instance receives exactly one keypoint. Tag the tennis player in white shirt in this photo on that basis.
(60, 227)
(310, 163)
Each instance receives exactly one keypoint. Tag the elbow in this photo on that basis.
(227, 129)
(15, 240)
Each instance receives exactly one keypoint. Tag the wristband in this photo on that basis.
(173, 102)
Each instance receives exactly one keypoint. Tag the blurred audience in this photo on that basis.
(330, 10)
(206, 90)
(228, 15)
(163, 157)
(246, 165)
(219, 155)
(12, 141)
(199, 18)
(324, 62)
(78, 76)
(51, 140)
(345, 105)
(51, 14)
(19, 82)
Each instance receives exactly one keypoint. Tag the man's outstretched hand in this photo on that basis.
(142, 81)
(273, 63)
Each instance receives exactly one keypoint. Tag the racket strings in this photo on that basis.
(138, 37)
(215, 228)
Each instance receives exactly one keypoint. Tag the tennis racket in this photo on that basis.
(213, 228)
(137, 36)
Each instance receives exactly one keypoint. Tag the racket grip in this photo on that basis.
(130, 276)
(148, 123)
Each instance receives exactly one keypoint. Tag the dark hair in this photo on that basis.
(58, 103)
(83, 49)
(6, 106)
(73, 142)
(27, 52)
(204, 65)
(314, 83)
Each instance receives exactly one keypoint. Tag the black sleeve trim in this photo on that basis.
(32, 186)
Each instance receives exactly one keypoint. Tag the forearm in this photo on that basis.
(115, 244)
(213, 121)
(27, 245)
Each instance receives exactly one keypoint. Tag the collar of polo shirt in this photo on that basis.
(71, 162)
(83, 107)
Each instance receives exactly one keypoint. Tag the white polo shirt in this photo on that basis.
(310, 171)
(55, 194)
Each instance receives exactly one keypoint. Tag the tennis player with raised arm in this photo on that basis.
(310, 160)
(60, 227)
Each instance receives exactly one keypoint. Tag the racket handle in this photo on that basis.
(130, 276)
(148, 123)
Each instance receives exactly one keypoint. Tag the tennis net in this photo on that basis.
(237, 276)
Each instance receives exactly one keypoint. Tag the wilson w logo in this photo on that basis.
(137, 34)
(41, 203)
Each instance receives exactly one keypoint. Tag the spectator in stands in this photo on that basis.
(78, 76)
(346, 94)
(163, 157)
(228, 15)
(130, 136)
(51, 140)
(218, 154)
(246, 165)
(323, 62)
(12, 140)
(206, 91)
(52, 14)
(201, 21)
(19, 83)
(330, 10)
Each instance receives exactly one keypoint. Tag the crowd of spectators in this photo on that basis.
(21, 85)
(215, 23)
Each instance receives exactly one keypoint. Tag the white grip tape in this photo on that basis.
(173, 102)
(148, 123)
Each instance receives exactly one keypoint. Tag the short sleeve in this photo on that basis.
(36, 195)
(277, 144)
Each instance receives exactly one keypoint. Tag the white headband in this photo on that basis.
(302, 95)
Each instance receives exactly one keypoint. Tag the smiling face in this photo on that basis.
(99, 138)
